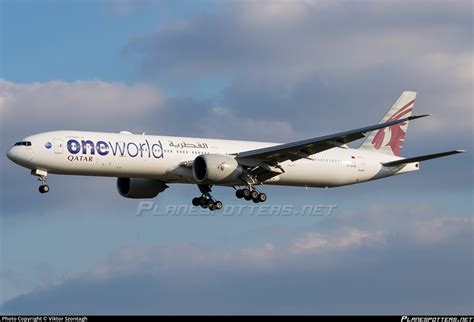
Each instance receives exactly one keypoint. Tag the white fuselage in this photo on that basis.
(162, 157)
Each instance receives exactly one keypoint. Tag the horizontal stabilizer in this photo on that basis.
(421, 158)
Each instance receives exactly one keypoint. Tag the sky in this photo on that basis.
(260, 70)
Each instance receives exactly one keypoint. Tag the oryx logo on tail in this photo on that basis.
(390, 139)
(394, 135)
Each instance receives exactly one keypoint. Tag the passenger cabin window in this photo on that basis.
(25, 143)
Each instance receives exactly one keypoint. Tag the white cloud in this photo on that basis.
(420, 224)
(222, 121)
(165, 258)
(440, 230)
(385, 227)
(344, 258)
(77, 105)
(103, 106)
(342, 240)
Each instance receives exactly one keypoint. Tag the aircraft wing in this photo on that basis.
(303, 149)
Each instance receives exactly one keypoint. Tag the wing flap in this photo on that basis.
(264, 172)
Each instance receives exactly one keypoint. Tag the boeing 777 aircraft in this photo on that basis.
(145, 164)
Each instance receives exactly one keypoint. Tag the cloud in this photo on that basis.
(303, 37)
(319, 271)
(224, 122)
(101, 106)
(345, 239)
(31, 108)
(295, 70)
(423, 223)
(310, 60)
(105, 106)
(76, 105)
(308, 68)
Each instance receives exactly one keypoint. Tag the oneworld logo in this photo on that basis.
(103, 148)
(48, 145)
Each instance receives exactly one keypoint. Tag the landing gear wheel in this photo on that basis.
(239, 193)
(44, 188)
(218, 205)
(254, 195)
(196, 202)
(202, 201)
(255, 200)
(247, 194)
(262, 197)
(206, 200)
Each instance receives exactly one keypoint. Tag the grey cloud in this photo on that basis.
(296, 71)
(76, 105)
(309, 62)
(83, 105)
(256, 35)
(100, 106)
(322, 67)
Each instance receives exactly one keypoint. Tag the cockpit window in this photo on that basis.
(25, 143)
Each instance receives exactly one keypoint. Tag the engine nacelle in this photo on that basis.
(137, 188)
(216, 168)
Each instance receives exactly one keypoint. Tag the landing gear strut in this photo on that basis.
(206, 200)
(250, 193)
(41, 174)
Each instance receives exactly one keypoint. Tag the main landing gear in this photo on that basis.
(250, 193)
(41, 174)
(206, 200)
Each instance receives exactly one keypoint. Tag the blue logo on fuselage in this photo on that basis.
(48, 145)
(103, 148)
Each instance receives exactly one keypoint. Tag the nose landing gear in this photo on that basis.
(41, 174)
(43, 188)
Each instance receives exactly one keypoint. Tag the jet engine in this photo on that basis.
(216, 168)
(137, 188)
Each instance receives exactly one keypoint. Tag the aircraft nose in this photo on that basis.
(11, 154)
(18, 155)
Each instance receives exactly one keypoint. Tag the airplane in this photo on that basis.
(145, 165)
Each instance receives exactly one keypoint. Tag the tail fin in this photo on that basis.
(390, 140)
